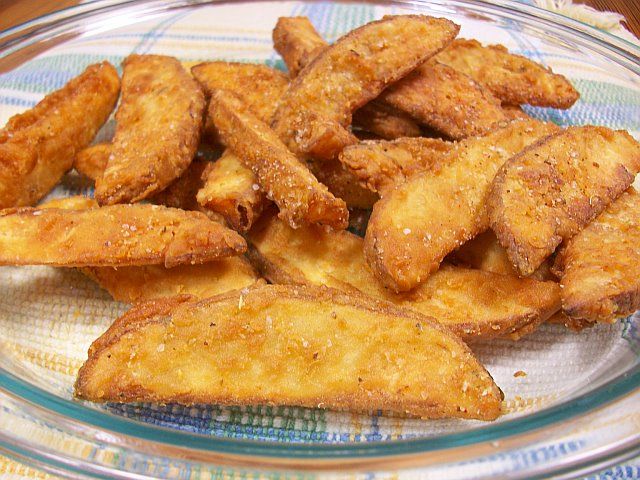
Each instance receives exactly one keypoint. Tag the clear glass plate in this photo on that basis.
(576, 410)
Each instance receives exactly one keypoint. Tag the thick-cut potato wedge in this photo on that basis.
(446, 100)
(92, 160)
(298, 42)
(342, 183)
(289, 345)
(37, 147)
(600, 274)
(119, 235)
(512, 78)
(158, 129)
(313, 115)
(381, 164)
(416, 224)
(553, 189)
(470, 303)
(298, 194)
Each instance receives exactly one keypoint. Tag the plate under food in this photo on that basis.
(576, 410)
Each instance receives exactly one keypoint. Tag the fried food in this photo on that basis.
(298, 42)
(446, 100)
(298, 194)
(182, 192)
(381, 164)
(313, 115)
(470, 303)
(158, 129)
(76, 202)
(37, 147)
(92, 160)
(553, 189)
(512, 78)
(600, 274)
(119, 235)
(415, 225)
(258, 86)
(340, 352)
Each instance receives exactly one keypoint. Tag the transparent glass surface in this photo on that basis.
(575, 411)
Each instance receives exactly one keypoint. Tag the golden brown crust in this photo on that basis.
(298, 42)
(381, 164)
(119, 235)
(470, 303)
(340, 352)
(298, 194)
(415, 225)
(600, 272)
(92, 161)
(158, 129)
(37, 147)
(76, 202)
(446, 100)
(551, 190)
(182, 192)
(512, 78)
(314, 113)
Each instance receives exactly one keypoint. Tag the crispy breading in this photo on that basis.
(380, 164)
(512, 78)
(298, 194)
(37, 147)
(298, 42)
(469, 302)
(341, 352)
(600, 274)
(181, 193)
(92, 161)
(119, 235)
(514, 112)
(258, 86)
(159, 120)
(553, 189)
(446, 100)
(416, 224)
(313, 115)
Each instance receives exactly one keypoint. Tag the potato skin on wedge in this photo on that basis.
(471, 303)
(289, 345)
(554, 188)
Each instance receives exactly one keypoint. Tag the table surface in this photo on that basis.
(14, 12)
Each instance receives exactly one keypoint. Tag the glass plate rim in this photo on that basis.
(607, 393)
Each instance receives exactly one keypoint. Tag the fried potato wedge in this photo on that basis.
(341, 352)
(471, 303)
(298, 194)
(183, 191)
(313, 115)
(298, 42)
(416, 224)
(553, 189)
(600, 274)
(446, 100)
(119, 235)
(158, 129)
(512, 78)
(76, 202)
(92, 160)
(37, 147)
(379, 164)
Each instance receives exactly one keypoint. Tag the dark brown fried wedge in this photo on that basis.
(552, 190)
(298, 42)
(471, 303)
(313, 115)
(298, 194)
(447, 101)
(119, 235)
(288, 345)
(417, 223)
(37, 147)
(380, 164)
(600, 274)
(514, 79)
(158, 129)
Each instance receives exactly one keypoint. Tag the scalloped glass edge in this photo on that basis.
(608, 393)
